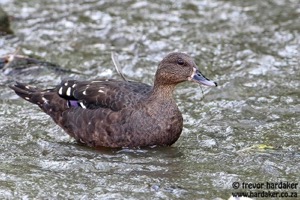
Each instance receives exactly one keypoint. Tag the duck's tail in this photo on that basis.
(29, 93)
(48, 100)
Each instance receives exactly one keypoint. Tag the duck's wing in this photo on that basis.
(101, 93)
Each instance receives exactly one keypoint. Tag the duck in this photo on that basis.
(116, 113)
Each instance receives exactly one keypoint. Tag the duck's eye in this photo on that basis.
(180, 62)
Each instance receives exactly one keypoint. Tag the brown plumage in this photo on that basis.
(113, 113)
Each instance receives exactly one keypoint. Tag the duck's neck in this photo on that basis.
(161, 105)
(162, 92)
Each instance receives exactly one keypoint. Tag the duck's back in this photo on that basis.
(103, 93)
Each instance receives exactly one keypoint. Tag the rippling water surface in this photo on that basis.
(246, 130)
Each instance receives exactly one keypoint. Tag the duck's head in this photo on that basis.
(179, 67)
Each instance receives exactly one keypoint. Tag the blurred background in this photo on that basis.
(245, 130)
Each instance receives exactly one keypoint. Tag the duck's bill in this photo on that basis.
(198, 77)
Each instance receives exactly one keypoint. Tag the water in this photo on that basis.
(246, 130)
